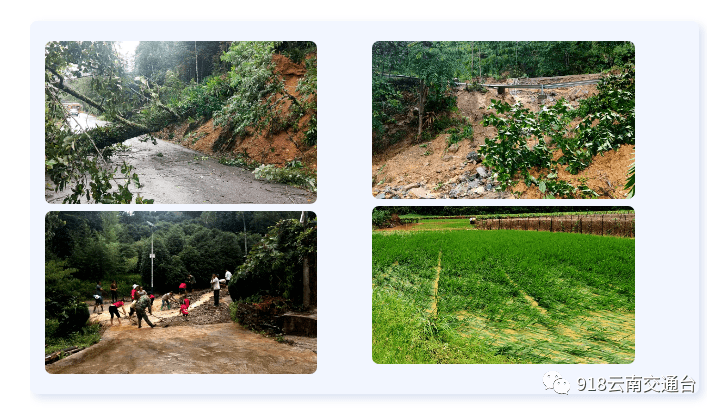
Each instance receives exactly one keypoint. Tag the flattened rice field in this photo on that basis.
(446, 294)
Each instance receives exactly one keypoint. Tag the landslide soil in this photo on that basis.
(207, 343)
(437, 168)
(266, 148)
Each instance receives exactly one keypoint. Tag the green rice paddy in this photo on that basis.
(452, 295)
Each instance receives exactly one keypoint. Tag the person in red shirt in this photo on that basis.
(114, 311)
(184, 309)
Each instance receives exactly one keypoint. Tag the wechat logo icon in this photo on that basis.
(553, 380)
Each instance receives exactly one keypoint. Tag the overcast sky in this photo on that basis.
(126, 48)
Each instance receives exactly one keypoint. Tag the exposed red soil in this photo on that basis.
(276, 149)
(606, 175)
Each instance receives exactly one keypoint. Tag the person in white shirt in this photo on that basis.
(215, 282)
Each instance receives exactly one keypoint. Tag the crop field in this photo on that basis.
(461, 296)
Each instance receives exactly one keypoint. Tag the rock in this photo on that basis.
(458, 191)
(482, 172)
(489, 186)
(447, 158)
(473, 156)
(453, 148)
(419, 193)
(479, 190)
(438, 170)
(453, 168)
(381, 195)
(473, 184)
(411, 186)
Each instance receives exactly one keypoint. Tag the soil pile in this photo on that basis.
(412, 170)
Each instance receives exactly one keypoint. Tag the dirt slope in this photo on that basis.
(411, 170)
(276, 149)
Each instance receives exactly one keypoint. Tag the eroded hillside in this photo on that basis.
(442, 169)
(276, 145)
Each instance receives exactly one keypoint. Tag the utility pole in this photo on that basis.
(152, 257)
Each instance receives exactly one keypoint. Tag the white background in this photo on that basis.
(343, 169)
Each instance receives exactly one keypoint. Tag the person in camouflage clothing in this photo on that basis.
(140, 307)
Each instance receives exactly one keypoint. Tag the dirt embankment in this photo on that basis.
(276, 148)
(412, 170)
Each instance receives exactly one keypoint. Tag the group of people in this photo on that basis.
(184, 307)
(142, 301)
(99, 295)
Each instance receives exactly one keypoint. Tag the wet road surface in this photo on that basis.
(172, 174)
(84, 121)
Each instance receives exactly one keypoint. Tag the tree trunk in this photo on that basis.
(61, 86)
(421, 107)
(306, 268)
(245, 233)
(472, 60)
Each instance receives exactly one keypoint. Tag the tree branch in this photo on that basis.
(61, 86)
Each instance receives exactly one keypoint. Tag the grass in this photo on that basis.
(87, 336)
(502, 296)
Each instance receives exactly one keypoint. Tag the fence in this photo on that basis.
(618, 225)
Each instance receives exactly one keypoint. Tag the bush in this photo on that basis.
(274, 266)
(292, 174)
(380, 217)
(201, 101)
(73, 317)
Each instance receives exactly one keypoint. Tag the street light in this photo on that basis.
(152, 256)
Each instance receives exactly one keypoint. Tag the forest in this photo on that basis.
(162, 84)
(263, 250)
(539, 139)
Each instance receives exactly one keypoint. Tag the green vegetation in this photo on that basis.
(232, 82)
(274, 266)
(58, 340)
(527, 140)
(415, 77)
(502, 296)
(292, 174)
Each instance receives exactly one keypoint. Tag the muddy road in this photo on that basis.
(172, 174)
(207, 343)
(224, 348)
